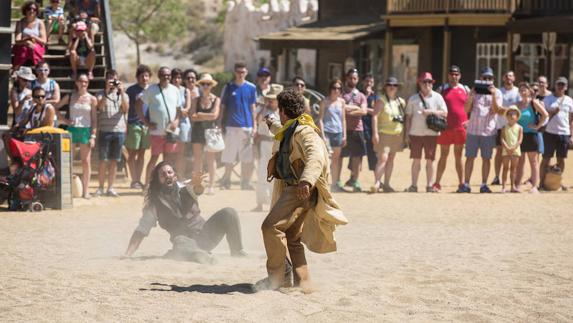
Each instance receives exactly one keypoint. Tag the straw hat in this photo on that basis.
(207, 79)
(274, 91)
(26, 73)
(513, 108)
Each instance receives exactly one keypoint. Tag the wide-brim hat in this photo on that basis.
(207, 79)
(391, 81)
(25, 73)
(273, 91)
(513, 108)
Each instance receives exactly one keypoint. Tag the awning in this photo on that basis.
(325, 34)
(559, 24)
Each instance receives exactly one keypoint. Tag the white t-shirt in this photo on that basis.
(157, 110)
(415, 107)
(510, 97)
(559, 124)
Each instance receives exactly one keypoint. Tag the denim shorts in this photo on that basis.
(334, 139)
(110, 144)
(484, 143)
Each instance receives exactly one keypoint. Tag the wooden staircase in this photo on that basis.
(60, 71)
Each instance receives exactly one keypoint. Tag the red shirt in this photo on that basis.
(455, 100)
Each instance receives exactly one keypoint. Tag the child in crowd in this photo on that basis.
(55, 20)
(511, 138)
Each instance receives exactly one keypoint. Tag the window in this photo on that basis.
(531, 60)
(493, 55)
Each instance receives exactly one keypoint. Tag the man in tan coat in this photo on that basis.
(303, 210)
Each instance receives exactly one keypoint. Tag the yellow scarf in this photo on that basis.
(303, 119)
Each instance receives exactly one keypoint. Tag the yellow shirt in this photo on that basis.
(511, 136)
(386, 115)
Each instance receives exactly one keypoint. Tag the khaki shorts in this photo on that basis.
(389, 143)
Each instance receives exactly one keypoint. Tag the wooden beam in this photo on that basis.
(387, 53)
(461, 19)
(510, 51)
(447, 51)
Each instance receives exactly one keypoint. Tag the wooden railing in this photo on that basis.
(544, 7)
(397, 7)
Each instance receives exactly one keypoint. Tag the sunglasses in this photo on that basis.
(32, 9)
(488, 78)
(300, 85)
(561, 84)
(37, 97)
(206, 84)
(167, 76)
(336, 88)
(427, 81)
(392, 85)
(455, 74)
(45, 70)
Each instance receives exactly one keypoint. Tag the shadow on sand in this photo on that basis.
(204, 289)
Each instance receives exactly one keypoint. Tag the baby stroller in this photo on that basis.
(31, 174)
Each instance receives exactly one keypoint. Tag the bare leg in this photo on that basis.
(336, 165)
(131, 162)
(444, 152)
(139, 162)
(498, 160)
(90, 61)
(416, 166)
(211, 168)
(111, 172)
(180, 162)
(197, 158)
(534, 164)
(85, 155)
(469, 169)
(389, 168)
(246, 172)
(458, 153)
(520, 170)
(74, 61)
(512, 169)
(150, 165)
(506, 164)
(103, 165)
(355, 165)
(380, 168)
(429, 172)
(485, 167)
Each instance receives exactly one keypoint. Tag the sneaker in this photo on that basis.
(247, 187)
(136, 185)
(431, 189)
(484, 189)
(495, 181)
(210, 191)
(437, 187)
(464, 188)
(388, 189)
(112, 193)
(349, 183)
(356, 187)
(99, 192)
(87, 196)
(411, 189)
(226, 184)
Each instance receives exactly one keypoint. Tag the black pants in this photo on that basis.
(224, 222)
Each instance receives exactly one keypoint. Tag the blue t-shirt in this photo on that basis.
(238, 100)
(134, 92)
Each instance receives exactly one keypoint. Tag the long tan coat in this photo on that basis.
(320, 222)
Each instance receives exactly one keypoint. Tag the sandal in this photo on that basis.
(411, 189)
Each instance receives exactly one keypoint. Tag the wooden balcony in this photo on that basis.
(426, 7)
(544, 8)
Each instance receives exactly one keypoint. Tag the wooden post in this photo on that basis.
(388, 53)
(447, 49)
(509, 51)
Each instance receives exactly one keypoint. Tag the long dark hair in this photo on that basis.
(155, 184)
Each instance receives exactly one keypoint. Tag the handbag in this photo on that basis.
(171, 136)
(434, 122)
(214, 142)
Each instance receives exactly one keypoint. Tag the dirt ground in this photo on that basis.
(403, 257)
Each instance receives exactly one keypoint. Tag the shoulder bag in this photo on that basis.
(171, 136)
(433, 121)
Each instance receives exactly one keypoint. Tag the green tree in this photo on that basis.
(149, 20)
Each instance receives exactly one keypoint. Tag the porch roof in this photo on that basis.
(559, 24)
(321, 34)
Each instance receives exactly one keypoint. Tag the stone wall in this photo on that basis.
(244, 22)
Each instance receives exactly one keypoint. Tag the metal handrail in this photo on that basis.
(449, 6)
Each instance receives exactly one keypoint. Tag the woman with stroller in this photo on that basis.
(82, 124)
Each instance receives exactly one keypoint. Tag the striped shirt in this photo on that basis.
(482, 118)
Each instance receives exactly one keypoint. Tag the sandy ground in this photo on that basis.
(403, 257)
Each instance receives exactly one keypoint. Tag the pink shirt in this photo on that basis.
(482, 117)
(354, 97)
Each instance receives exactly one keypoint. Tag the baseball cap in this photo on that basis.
(561, 80)
(263, 71)
(454, 69)
(391, 81)
(486, 71)
(425, 76)
(81, 26)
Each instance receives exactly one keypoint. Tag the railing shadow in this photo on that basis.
(221, 289)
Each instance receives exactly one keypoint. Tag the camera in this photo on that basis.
(482, 87)
(398, 118)
(114, 83)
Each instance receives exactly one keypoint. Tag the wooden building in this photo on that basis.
(405, 37)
